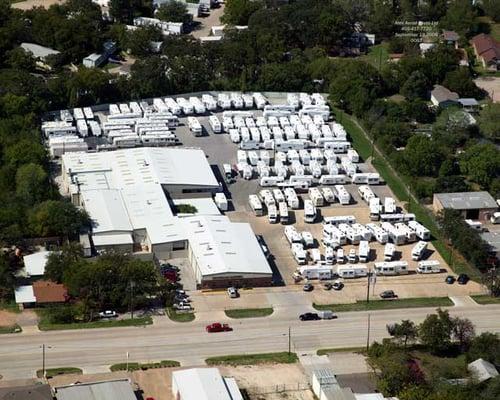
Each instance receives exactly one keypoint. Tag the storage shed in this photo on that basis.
(204, 384)
(472, 205)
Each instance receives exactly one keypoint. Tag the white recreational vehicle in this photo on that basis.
(195, 126)
(379, 234)
(352, 234)
(316, 197)
(328, 194)
(340, 256)
(332, 236)
(391, 268)
(318, 271)
(342, 194)
(421, 231)
(255, 205)
(352, 271)
(309, 212)
(397, 237)
(340, 219)
(307, 239)
(283, 209)
(375, 208)
(272, 214)
(364, 251)
(329, 255)
(299, 253)
(215, 124)
(409, 233)
(418, 251)
(389, 205)
(292, 235)
(366, 193)
(429, 267)
(389, 251)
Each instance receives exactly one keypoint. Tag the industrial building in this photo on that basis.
(131, 196)
(204, 384)
(472, 205)
(119, 389)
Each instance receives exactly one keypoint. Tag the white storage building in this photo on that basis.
(204, 384)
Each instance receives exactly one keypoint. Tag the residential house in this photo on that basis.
(39, 53)
(443, 97)
(487, 51)
(451, 38)
(40, 293)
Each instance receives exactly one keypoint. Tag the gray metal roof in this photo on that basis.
(466, 200)
(37, 50)
(110, 390)
(493, 239)
(467, 101)
(336, 393)
(29, 392)
(441, 94)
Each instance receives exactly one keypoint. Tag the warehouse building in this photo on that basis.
(223, 253)
(131, 196)
(472, 205)
(204, 384)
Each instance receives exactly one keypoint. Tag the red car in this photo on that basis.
(218, 327)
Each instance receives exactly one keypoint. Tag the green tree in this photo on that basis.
(18, 58)
(403, 332)
(485, 346)
(422, 156)
(489, 121)
(174, 11)
(6, 280)
(492, 9)
(416, 86)
(59, 262)
(237, 12)
(138, 41)
(381, 19)
(461, 82)
(460, 17)
(481, 163)
(31, 183)
(59, 218)
(463, 332)
(436, 330)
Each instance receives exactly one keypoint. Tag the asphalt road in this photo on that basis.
(94, 349)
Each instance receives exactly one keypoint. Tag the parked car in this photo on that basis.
(450, 280)
(108, 314)
(170, 275)
(388, 294)
(183, 307)
(182, 299)
(308, 287)
(327, 286)
(167, 266)
(338, 285)
(463, 279)
(232, 292)
(327, 314)
(263, 245)
(181, 292)
(218, 327)
(309, 317)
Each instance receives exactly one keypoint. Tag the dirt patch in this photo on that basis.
(29, 4)
(491, 85)
(206, 23)
(7, 318)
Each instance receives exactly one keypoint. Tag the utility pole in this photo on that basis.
(368, 334)
(289, 340)
(43, 358)
(131, 302)
(368, 288)
(127, 360)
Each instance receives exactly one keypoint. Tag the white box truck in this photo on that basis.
(429, 267)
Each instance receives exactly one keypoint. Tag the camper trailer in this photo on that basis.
(379, 234)
(299, 253)
(350, 271)
(389, 268)
(366, 193)
(389, 205)
(389, 251)
(215, 124)
(195, 126)
(397, 237)
(340, 219)
(410, 235)
(309, 212)
(340, 256)
(332, 236)
(418, 251)
(316, 256)
(421, 231)
(283, 209)
(342, 194)
(316, 197)
(292, 235)
(375, 208)
(364, 251)
(328, 194)
(352, 235)
(272, 214)
(318, 271)
(255, 205)
(307, 239)
(329, 255)
(429, 267)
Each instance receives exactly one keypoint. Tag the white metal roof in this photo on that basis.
(204, 384)
(25, 294)
(204, 206)
(224, 247)
(37, 50)
(107, 210)
(482, 369)
(34, 264)
(112, 239)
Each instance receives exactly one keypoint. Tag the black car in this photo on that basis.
(327, 286)
(388, 294)
(450, 280)
(463, 279)
(308, 287)
(309, 317)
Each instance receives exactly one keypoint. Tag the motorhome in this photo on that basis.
(316, 256)
(272, 214)
(366, 193)
(421, 231)
(316, 197)
(291, 198)
(363, 231)
(267, 197)
(283, 209)
(342, 194)
(299, 253)
(397, 237)
(307, 239)
(389, 268)
(340, 256)
(340, 219)
(221, 201)
(329, 255)
(350, 271)
(255, 205)
(195, 126)
(352, 235)
(332, 236)
(292, 235)
(328, 194)
(318, 271)
(352, 256)
(410, 234)
(429, 267)
(375, 208)
(379, 234)
(278, 196)
(364, 251)
(418, 251)
(389, 205)
(389, 251)
(309, 212)
(215, 124)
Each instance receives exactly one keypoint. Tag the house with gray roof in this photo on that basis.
(443, 97)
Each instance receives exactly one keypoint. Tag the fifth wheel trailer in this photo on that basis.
(422, 232)
(391, 268)
(352, 271)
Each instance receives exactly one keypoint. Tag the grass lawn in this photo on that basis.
(50, 372)
(387, 304)
(249, 312)
(179, 316)
(323, 352)
(44, 326)
(377, 55)
(495, 31)
(486, 299)
(254, 359)
(363, 146)
(10, 329)
(445, 367)
(134, 366)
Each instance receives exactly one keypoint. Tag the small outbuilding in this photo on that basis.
(482, 370)
(472, 205)
(204, 384)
